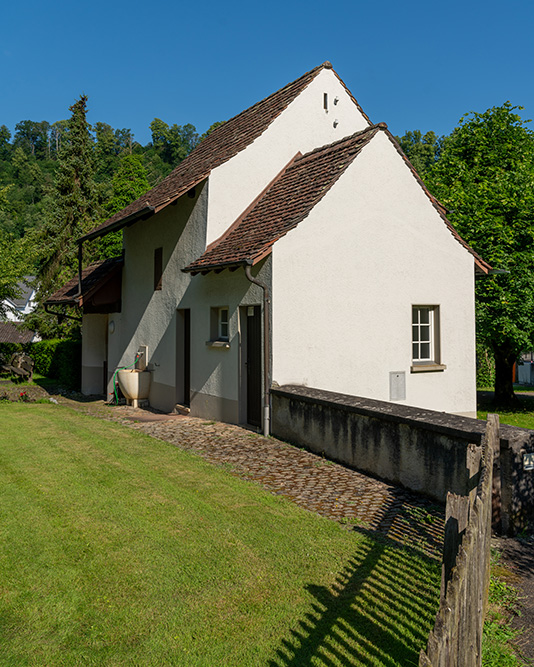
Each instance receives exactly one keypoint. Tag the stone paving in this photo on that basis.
(308, 480)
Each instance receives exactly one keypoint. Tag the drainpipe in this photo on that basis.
(80, 244)
(266, 349)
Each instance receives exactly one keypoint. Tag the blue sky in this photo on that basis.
(413, 64)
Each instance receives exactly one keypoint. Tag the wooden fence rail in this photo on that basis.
(456, 640)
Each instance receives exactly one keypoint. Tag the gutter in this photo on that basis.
(266, 349)
(60, 316)
(146, 212)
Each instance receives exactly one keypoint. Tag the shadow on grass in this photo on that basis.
(525, 402)
(379, 611)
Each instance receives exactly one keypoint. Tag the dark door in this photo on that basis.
(254, 365)
(183, 356)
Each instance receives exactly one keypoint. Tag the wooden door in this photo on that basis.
(254, 365)
(183, 356)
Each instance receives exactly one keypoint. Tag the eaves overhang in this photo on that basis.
(145, 213)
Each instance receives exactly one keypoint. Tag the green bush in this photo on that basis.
(60, 360)
(485, 367)
(7, 349)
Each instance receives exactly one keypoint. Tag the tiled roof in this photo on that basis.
(290, 198)
(93, 277)
(221, 145)
(10, 334)
(25, 292)
(481, 265)
(286, 202)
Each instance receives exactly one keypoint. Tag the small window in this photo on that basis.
(158, 268)
(422, 333)
(425, 335)
(219, 327)
(223, 324)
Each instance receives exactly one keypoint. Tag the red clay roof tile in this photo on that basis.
(93, 277)
(221, 145)
(287, 201)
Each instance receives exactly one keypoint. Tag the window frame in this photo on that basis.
(426, 332)
(223, 324)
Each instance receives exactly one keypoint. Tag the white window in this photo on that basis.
(223, 324)
(425, 334)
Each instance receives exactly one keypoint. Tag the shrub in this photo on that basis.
(60, 360)
(8, 349)
(485, 367)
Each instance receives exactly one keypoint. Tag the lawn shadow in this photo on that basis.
(379, 611)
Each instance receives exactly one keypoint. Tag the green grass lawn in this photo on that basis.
(522, 415)
(119, 549)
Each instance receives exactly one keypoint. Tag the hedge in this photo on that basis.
(58, 359)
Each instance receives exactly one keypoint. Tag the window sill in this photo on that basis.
(224, 344)
(427, 367)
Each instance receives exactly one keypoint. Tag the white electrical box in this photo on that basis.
(397, 386)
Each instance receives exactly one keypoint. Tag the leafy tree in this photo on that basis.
(129, 183)
(14, 261)
(33, 137)
(210, 129)
(421, 150)
(58, 130)
(173, 143)
(5, 146)
(485, 175)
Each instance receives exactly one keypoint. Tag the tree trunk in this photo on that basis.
(504, 376)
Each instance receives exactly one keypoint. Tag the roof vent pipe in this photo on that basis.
(266, 350)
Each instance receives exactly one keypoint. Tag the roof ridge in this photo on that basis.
(337, 144)
(314, 71)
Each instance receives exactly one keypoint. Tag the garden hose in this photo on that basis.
(122, 368)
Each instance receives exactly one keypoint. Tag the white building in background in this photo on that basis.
(300, 209)
(23, 304)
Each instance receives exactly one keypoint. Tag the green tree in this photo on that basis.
(173, 143)
(5, 146)
(73, 208)
(421, 149)
(58, 131)
(485, 176)
(33, 137)
(129, 182)
(210, 129)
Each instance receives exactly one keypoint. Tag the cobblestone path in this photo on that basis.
(308, 480)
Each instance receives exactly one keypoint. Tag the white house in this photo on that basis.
(17, 307)
(296, 244)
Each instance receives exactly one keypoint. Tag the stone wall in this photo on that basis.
(457, 635)
(432, 453)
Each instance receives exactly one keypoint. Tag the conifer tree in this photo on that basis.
(72, 210)
(74, 207)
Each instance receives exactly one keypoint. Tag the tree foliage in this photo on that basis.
(485, 176)
(421, 149)
(59, 179)
(75, 206)
(129, 183)
(173, 143)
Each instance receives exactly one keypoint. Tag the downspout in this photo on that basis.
(266, 349)
(80, 244)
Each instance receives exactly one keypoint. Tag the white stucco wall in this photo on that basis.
(345, 280)
(149, 317)
(303, 126)
(94, 353)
